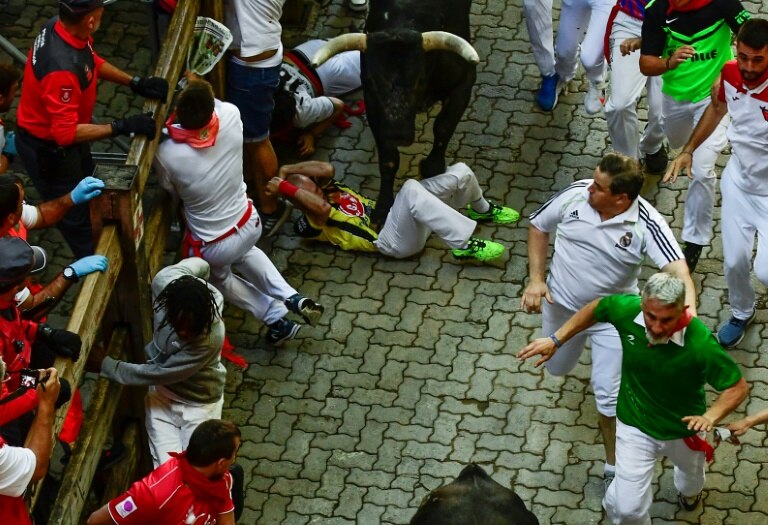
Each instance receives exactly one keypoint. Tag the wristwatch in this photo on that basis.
(70, 275)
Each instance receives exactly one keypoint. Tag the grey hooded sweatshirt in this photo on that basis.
(189, 370)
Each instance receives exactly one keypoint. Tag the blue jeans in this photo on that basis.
(252, 90)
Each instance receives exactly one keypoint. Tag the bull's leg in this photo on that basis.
(445, 124)
(389, 162)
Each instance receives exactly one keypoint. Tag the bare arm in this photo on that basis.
(315, 169)
(56, 289)
(114, 74)
(652, 66)
(101, 517)
(705, 127)
(538, 243)
(742, 425)
(545, 346)
(679, 268)
(227, 519)
(40, 437)
(314, 132)
(728, 400)
(90, 132)
(317, 209)
(51, 212)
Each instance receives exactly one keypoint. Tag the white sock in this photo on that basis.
(481, 205)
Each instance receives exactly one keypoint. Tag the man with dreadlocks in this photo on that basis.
(183, 369)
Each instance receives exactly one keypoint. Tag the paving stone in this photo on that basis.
(412, 373)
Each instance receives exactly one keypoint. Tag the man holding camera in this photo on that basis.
(56, 109)
(25, 344)
(22, 465)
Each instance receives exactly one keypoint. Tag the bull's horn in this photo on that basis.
(449, 42)
(349, 42)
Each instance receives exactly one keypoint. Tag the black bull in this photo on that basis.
(400, 79)
(473, 499)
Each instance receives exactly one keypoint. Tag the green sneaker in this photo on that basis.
(479, 249)
(496, 214)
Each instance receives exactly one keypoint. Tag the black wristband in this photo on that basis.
(135, 82)
(555, 340)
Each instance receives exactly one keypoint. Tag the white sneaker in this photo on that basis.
(593, 102)
(358, 5)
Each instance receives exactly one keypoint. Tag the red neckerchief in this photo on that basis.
(684, 320)
(196, 138)
(700, 445)
(692, 6)
(216, 493)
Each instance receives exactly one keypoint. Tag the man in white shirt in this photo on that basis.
(202, 164)
(605, 230)
(252, 77)
(19, 466)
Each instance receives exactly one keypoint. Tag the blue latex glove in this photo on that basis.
(89, 264)
(86, 189)
(10, 144)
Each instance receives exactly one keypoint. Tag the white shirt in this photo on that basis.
(209, 181)
(339, 74)
(255, 27)
(595, 258)
(748, 132)
(17, 465)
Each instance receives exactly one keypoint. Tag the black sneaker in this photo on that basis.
(282, 331)
(271, 222)
(656, 162)
(113, 456)
(688, 504)
(692, 252)
(305, 307)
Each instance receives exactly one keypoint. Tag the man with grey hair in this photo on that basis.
(668, 356)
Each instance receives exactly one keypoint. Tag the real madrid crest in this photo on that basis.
(625, 240)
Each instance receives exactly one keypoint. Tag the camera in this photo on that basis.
(32, 378)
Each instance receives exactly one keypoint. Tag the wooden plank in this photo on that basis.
(170, 64)
(124, 473)
(158, 228)
(87, 450)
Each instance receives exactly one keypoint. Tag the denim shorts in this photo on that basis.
(252, 90)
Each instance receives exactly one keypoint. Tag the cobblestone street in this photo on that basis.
(411, 374)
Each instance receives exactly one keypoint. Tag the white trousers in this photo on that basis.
(538, 20)
(259, 289)
(744, 215)
(587, 20)
(606, 355)
(423, 207)
(629, 496)
(679, 120)
(170, 423)
(626, 86)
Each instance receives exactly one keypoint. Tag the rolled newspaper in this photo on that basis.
(209, 43)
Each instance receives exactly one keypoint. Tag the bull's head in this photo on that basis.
(394, 77)
(474, 498)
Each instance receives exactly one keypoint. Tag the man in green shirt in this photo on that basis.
(687, 42)
(668, 357)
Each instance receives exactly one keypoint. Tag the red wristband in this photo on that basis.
(287, 189)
